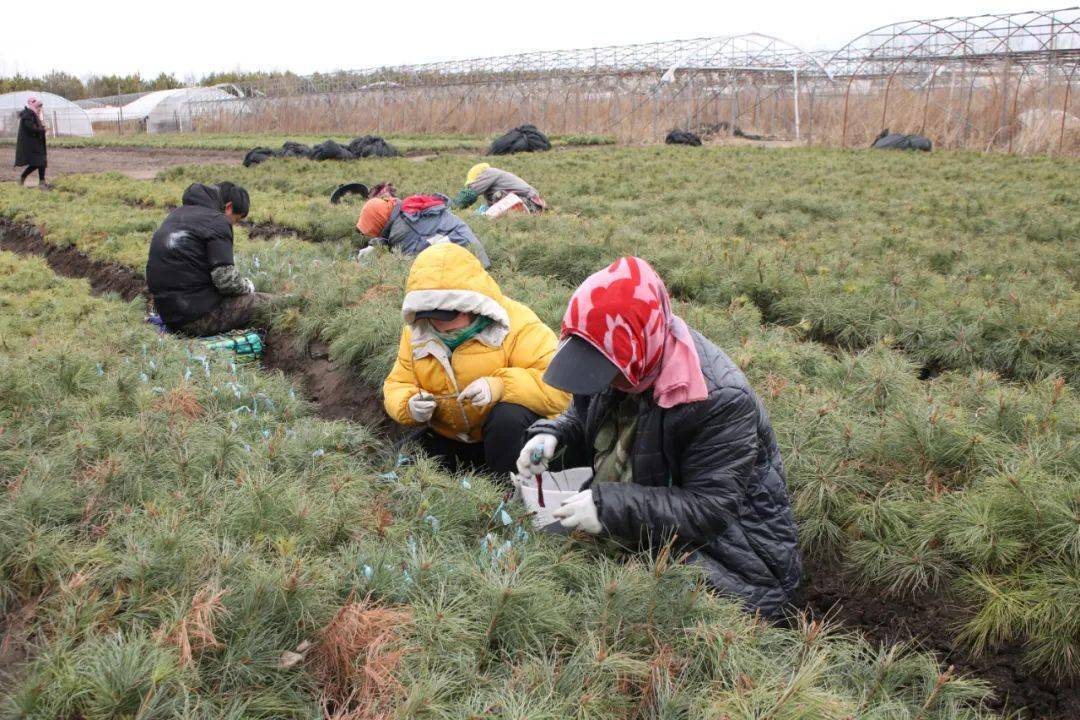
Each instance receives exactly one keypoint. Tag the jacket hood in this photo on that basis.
(202, 195)
(449, 277)
(429, 209)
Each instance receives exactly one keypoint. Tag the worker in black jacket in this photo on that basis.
(190, 273)
(679, 444)
(30, 146)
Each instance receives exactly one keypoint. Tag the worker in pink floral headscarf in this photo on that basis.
(30, 146)
(679, 444)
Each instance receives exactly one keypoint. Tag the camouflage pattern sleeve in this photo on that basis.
(228, 280)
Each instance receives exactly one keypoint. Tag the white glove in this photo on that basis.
(363, 253)
(421, 406)
(579, 511)
(249, 287)
(516, 481)
(536, 454)
(478, 392)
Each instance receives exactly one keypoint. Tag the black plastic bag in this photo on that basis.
(294, 149)
(682, 137)
(898, 141)
(525, 138)
(258, 155)
(372, 146)
(330, 150)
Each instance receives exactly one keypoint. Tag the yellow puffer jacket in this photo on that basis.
(514, 350)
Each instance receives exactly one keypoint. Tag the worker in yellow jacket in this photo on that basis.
(470, 364)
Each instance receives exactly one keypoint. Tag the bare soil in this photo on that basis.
(337, 391)
(929, 621)
(141, 163)
(268, 230)
(104, 277)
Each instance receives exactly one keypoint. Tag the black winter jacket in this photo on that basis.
(709, 471)
(194, 239)
(30, 147)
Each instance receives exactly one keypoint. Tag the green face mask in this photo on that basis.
(456, 338)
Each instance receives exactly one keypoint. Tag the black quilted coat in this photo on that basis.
(30, 147)
(709, 471)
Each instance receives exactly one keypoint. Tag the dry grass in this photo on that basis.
(127, 127)
(194, 633)
(1009, 111)
(356, 659)
(180, 401)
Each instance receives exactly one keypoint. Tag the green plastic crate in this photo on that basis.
(246, 345)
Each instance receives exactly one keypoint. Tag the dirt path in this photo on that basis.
(140, 163)
(144, 163)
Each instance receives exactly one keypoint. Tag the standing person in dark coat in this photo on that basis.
(190, 273)
(30, 146)
(678, 442)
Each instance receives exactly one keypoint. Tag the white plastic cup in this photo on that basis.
(558, 486)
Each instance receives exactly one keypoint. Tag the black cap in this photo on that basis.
(436, 314)
(580, 368)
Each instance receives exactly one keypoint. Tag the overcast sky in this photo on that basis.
(190, 39)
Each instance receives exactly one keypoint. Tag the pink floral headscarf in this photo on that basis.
(34, 104)
(624, 311)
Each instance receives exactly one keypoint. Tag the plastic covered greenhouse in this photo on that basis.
(62, 116)
(163, 110)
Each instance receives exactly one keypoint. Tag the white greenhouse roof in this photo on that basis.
(162, 110)
(62, 116)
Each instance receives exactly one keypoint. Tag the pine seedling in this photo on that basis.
(1058, 510)
(983, 532)
(521, 605)
(902, 562)
(1003, 604)
(193, 633)
(118, 675)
